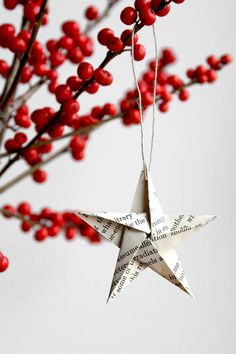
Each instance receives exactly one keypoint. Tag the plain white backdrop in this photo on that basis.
(52, 298)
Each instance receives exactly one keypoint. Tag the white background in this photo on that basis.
(52, 298)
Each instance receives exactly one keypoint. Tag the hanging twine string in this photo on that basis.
(154, 111)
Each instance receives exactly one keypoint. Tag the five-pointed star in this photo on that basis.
(146, 237)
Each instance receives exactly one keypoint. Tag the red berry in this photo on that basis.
(45, 213)
(25, 226)
(133, 116)
(53, 230)
(57, 58)
(71, 29)
(24, 208)
(163, 107)
(92, 13)
(70, 233)
(31, 155)
(41, 234)
(163, 12)
(139, 52)
(178, 1)
(11, 145)
(7, 32)
(103, 77)
(66, 42)
(226, 59)
(23, 120)
(211, 75)
(10, 209)
(74, 82)
(11, 4)
(75, 55)
(142, 5)
(77, 155)
(148, 17)
(56, 131)
(63, 93)
(110, 109)
(4, 264)
(31, 11)
(115, 44)
(20, 138)
(45, 148)
(105, 35)
(26, 75)
(128, 15)
(85, 71)
(92, 88)
(183, 95)
(169, 56)
(71, 106)
(18, 45)
(77, 143)
(126, 37)
(4, 68)
(39, 176)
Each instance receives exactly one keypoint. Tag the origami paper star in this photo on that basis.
(146, 237)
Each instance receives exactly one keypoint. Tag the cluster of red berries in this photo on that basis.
(3, 262)
(167, 84)
(48, 223)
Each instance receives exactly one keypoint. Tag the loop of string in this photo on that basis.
(140, 98)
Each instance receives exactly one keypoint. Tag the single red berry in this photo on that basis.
(77, 155)
(52, 86)
(17, 45)
(226, 59)
(75, 55)
(63, 93)
(26, 75)
(128, 15)
(31, 11)
(103, 77)
(23, 120)
(126, 37)
(133, 116)
(163, 12)
(7, 32)
(52, 74)
(4, 264)
(4, 68)
(24, 208)
(178, 1)
(51, 45)
(211, 75)
(92, 13)
(74, 82)
(11, 4)
(105, 35)
(71, 29)
(25, 226)
(25, 35)
(45, 213)
(183, 95)
(31, 155)
(142, 5)
(148, 17)
(41, 234)
(10, 209)
(77, 143)
(11, 145)
(139, 52)
(109, 109)
(71, 106)
(20, 138)
(85, 71)
(40, 69)
(70, 233)
(53, 230)
(57, 58)
(169, 56)
(115, 44)
(39, 176)
(163, 107)
(66, 42)
(56, 131)
(92, 88)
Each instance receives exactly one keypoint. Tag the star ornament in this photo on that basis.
(146, 237)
